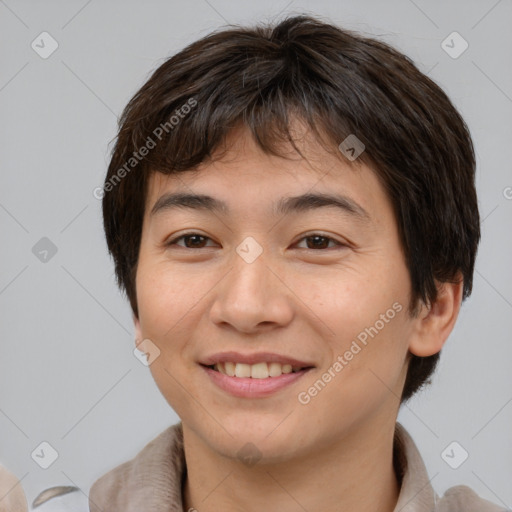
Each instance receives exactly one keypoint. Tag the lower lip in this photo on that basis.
(247, 387)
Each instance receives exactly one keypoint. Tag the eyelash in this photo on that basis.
(192, 234)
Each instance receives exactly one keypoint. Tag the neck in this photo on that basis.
(357, 473)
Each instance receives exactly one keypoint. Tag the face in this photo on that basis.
(270, 280)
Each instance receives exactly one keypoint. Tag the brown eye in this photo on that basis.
(317, 241)
(191, 241)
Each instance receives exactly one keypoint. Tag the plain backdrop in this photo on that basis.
(68, 375)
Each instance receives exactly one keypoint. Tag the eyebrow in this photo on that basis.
(284, 206)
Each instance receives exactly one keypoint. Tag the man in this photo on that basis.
(292, 213)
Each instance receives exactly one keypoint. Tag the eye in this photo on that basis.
(317, 241)
(191, 241)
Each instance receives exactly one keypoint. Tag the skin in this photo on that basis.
(197, 297)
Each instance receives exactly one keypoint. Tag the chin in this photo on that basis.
(261, 438)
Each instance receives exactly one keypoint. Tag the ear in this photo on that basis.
(435, 322)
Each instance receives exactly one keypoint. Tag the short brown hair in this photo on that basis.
(339, 83)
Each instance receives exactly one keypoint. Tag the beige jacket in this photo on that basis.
(152, 481)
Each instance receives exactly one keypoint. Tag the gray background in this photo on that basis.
(68, 375)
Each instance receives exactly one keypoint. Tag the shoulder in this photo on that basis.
(462, 498)
(143, 479)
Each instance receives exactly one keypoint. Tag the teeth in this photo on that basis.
(274, 369)
(259, 371)
(230, 368)
(255, 371)
(242, 370)
(287, 368)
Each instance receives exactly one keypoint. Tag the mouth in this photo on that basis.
(253, 376)
(262, 370)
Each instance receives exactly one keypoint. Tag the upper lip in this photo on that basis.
(259, 357)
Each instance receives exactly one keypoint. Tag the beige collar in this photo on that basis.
(153, 479)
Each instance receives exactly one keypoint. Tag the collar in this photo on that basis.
(153, 480)
(416, 492)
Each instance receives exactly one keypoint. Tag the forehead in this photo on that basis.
(241, 175)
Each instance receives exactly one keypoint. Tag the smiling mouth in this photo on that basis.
(255, 371)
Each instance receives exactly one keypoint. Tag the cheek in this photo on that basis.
(367, 317)
(351, 301)
(365, 368)
(166, 299)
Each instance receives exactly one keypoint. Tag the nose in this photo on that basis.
(252, 298)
